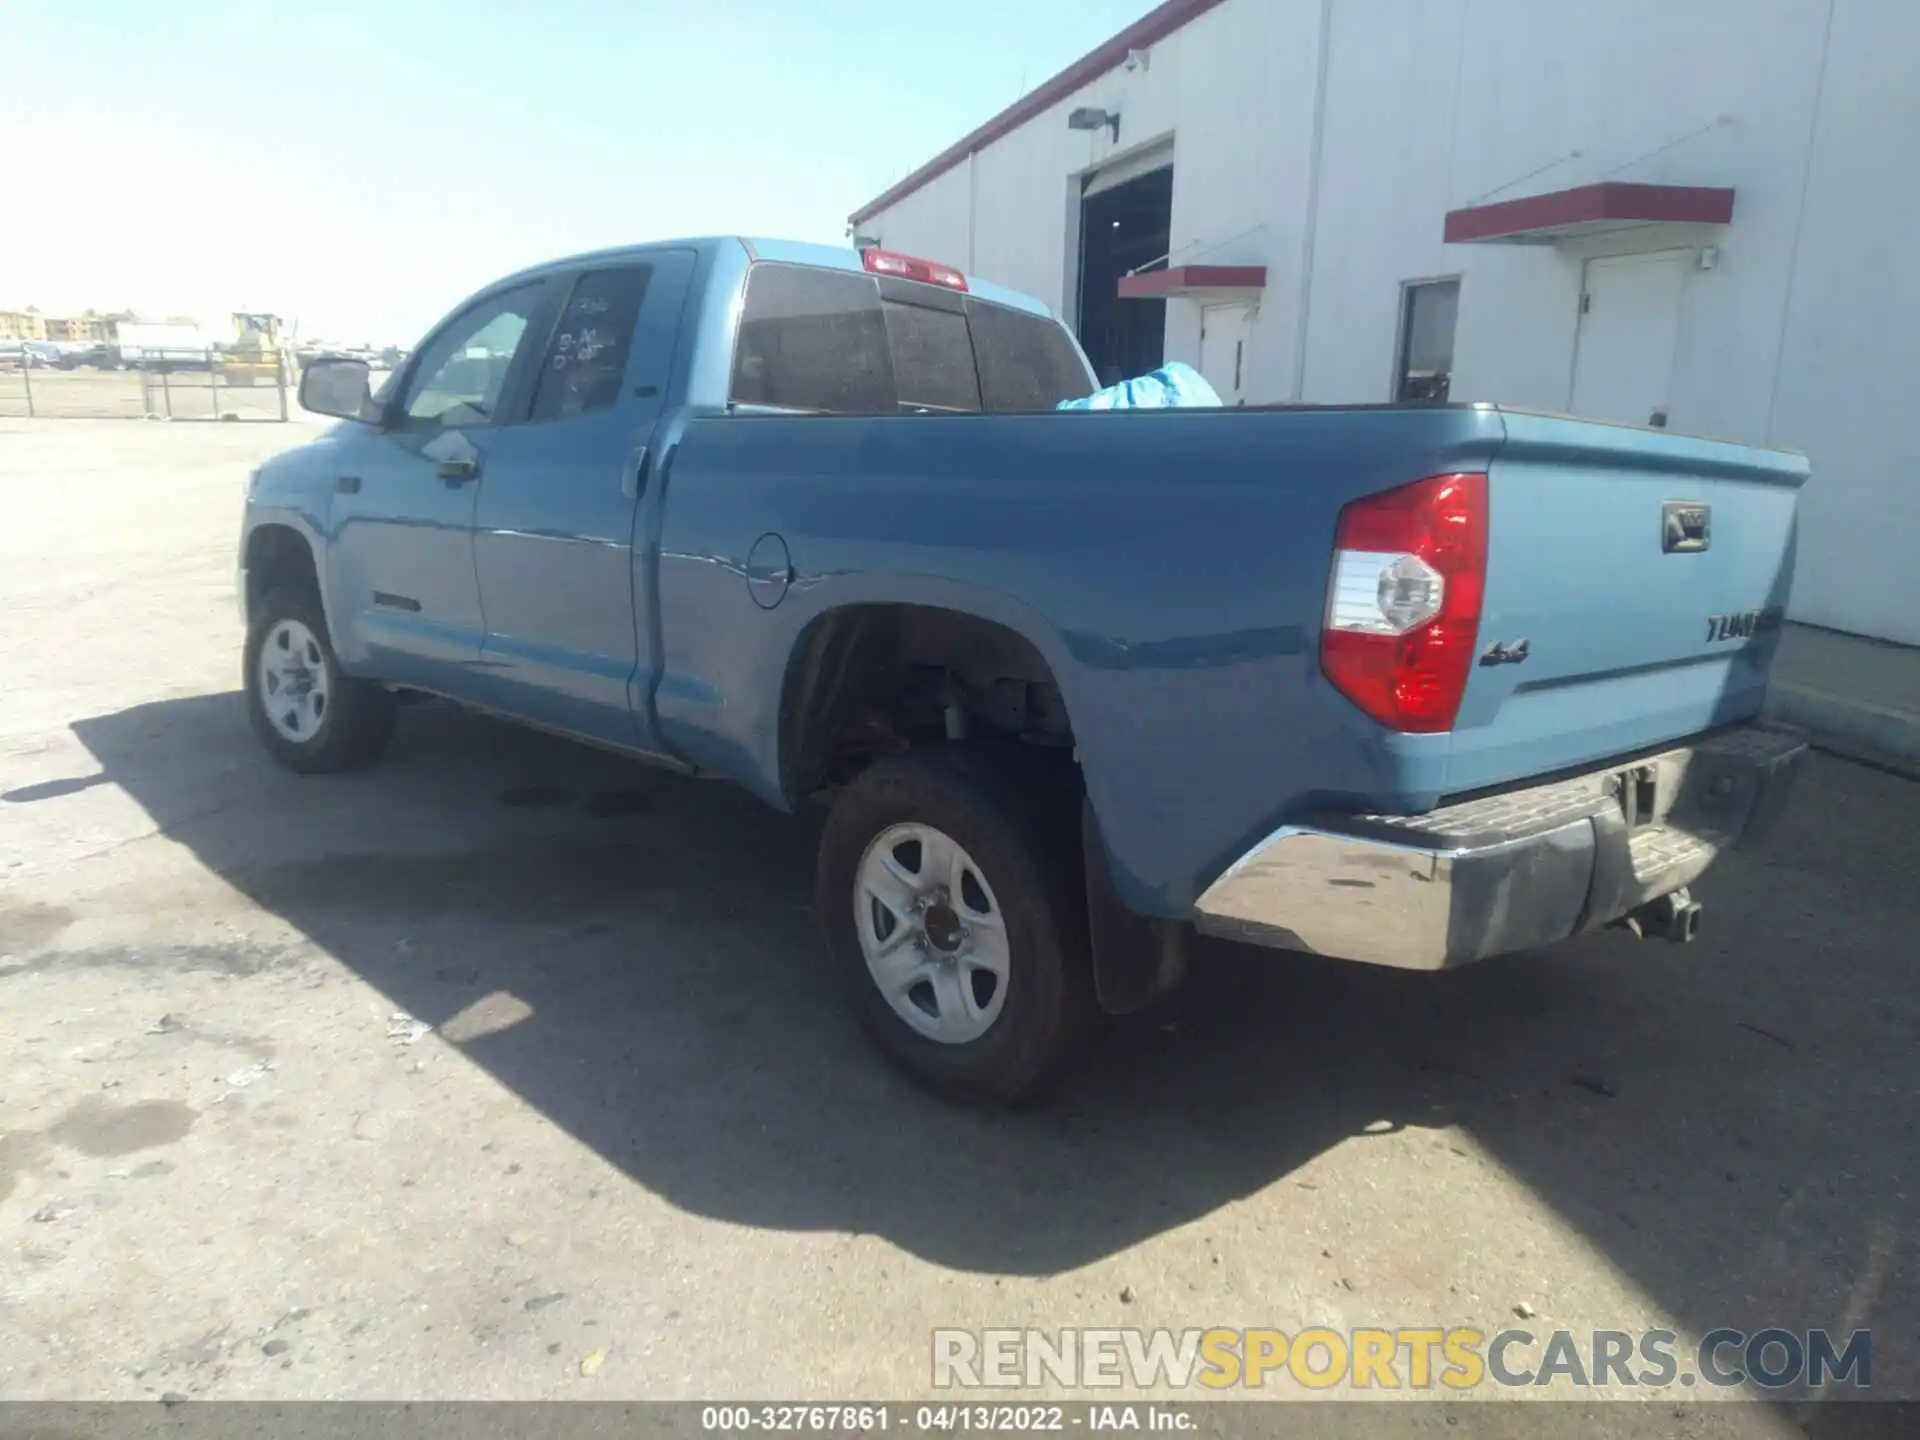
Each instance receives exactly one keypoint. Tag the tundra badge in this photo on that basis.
(1743, 624)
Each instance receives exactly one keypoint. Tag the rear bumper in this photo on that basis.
(1506, 871)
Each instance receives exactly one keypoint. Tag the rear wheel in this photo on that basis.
(311, 717)
(950, 891)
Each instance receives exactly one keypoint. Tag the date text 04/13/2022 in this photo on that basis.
(941, 1419)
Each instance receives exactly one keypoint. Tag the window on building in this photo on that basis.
(587, 360)
(1423, 368)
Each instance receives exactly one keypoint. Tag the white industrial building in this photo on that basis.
(1703, 213)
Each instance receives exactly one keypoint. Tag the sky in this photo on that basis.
(361, 165)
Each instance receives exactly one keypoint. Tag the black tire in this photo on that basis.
(1017, 820)
(359, 715)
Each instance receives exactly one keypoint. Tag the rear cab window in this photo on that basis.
(587, 356)
(848, 343)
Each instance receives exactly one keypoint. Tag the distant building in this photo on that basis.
(91, 328)
(27, 324)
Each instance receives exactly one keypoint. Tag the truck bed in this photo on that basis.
(1172, 568)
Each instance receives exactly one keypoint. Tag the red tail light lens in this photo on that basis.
(1403, 606)
(907, 267)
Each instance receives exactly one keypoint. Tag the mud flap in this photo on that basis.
(1136, 959)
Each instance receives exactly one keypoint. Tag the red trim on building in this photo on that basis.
(1155, 25)
(1156, 284)
(1564, 212)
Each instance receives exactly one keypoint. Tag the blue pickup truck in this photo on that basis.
(1408, 685)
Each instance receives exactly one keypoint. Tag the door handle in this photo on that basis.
(458, 470)
(635, 478)
(348, 485)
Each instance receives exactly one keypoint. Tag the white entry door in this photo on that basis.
(1629, 330)
(1224, 332)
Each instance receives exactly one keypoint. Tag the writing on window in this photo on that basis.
(586, 362)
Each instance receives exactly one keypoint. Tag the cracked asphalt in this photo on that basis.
(510, 1070)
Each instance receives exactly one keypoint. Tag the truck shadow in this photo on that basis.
(1731, 1124)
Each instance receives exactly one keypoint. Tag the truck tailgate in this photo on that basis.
(1636, 581)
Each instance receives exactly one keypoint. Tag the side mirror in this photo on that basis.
(336, 385)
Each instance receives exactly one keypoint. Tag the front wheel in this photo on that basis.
(311, 717)
(949, 887)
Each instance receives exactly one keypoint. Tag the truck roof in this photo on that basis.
(790, 252)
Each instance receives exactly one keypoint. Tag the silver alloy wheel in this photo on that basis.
(293, 681)
(932, 932)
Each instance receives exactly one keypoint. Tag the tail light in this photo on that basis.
(1403, 607)
(927, 272)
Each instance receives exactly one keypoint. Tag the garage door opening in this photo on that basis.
(1123, 227)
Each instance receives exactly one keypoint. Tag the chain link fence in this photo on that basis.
(208, 384)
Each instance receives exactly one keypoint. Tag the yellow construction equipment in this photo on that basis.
(256, 356)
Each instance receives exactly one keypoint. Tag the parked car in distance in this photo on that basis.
(28, 354)
(1407, 685)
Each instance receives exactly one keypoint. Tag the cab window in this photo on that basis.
(461, 375)
(586, 361)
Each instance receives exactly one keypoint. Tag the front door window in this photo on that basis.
(463, 372)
